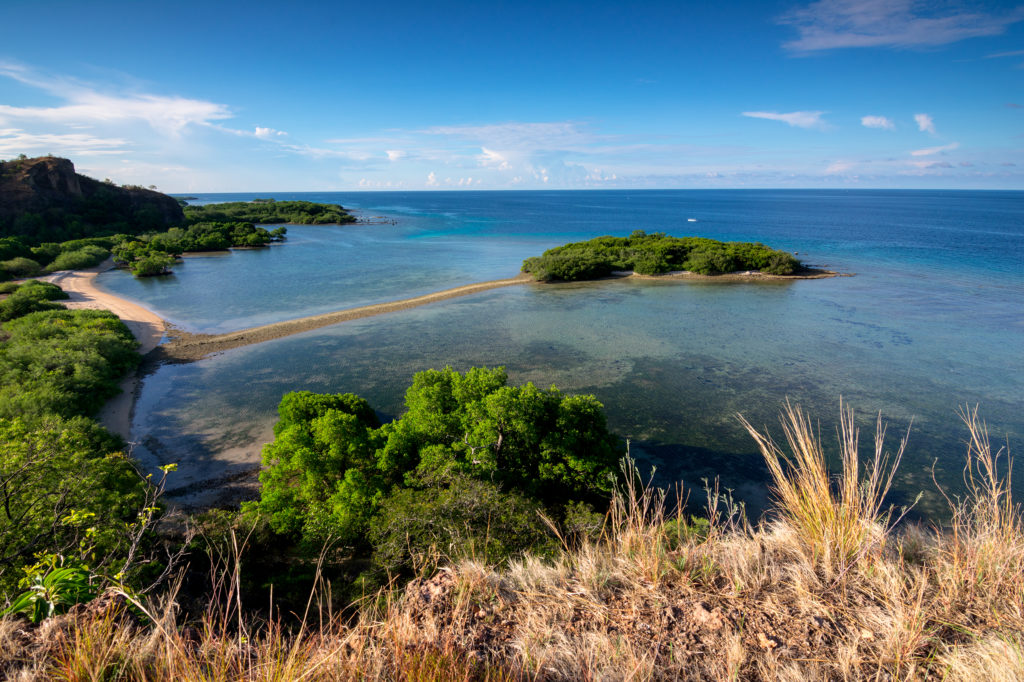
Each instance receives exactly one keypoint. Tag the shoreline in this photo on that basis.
(146, 326)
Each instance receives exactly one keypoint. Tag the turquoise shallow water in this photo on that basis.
(932, 320)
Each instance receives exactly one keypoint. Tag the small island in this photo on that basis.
(658, 254)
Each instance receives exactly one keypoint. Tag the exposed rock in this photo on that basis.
(44, 199)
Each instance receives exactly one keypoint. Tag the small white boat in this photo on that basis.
(691, 220)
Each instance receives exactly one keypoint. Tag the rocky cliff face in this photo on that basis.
(45, 199)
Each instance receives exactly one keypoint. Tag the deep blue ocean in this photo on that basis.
(932, 319)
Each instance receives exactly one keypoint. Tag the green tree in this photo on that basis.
(319, 478)
(65, 485)
(155, 263)
(332, 471)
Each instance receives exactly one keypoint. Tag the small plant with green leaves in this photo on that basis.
(53, 586)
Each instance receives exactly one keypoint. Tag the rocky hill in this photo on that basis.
(44, 199)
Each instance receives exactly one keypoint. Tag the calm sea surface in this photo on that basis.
(933, 319)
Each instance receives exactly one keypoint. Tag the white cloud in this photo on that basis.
(432, 179)
(877, 122)
(925, 123)
(832, 24)
(268, 133)
(935, 150)
(395, 154)
(16, 141)
(493, 159)
(796, 119)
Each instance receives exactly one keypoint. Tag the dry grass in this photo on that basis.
(825, 589)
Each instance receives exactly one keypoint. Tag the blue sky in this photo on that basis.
(225, 96)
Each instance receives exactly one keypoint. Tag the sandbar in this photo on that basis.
(185, 347)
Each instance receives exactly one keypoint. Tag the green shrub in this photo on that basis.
(463, 517)
(67, 362)
(85, 257)
(29, 297)
(20, 267)
(153, 264)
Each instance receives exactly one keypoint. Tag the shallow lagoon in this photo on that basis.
(925, 326)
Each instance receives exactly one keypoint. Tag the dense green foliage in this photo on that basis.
(19, 267)
(657, 253)
(267, 211)
(470, 463)
(152, 264)
(29, 297)
(64, 362)
(66, 489)
(154, 254)
(14, 247)
(74, 254)
(85, 257)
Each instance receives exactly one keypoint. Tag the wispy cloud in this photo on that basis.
(877, 122)
(925, 123)
(833, 24)
(1012, 53)
(935, 150)
(16, 141)
(797, 119)
(83, 106)
(558, 134)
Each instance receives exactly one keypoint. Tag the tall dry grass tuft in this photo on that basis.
(838, 518)
(981, 568)
(633, 530)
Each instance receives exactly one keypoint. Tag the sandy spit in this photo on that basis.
(185, 347)
(147, 327)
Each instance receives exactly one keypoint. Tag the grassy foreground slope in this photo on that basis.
(823, 589)
(655, 254)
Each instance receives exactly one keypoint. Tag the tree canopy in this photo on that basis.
(334, 471)
(656, 253)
